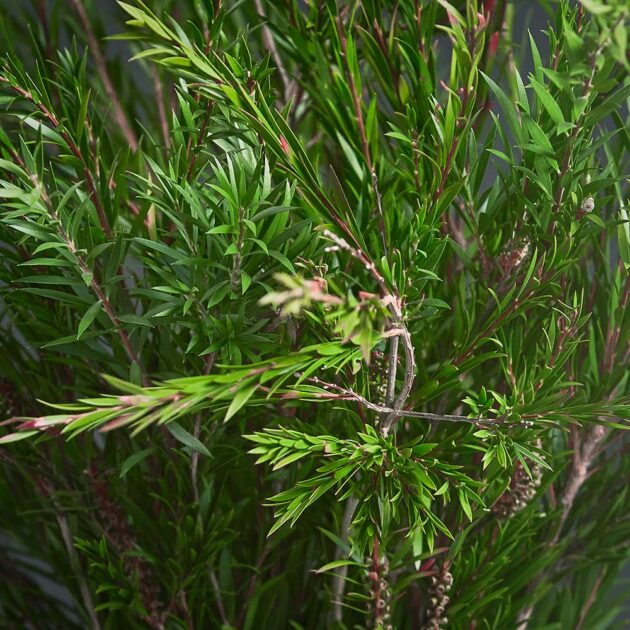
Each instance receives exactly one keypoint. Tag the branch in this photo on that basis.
(393, 302)
(496, 323)
(591, 599)
(339, 581)
(87, 175)
(270, 44)
(410, 368)
(583, 459)
(348, 394)
(358, 112)
(159, 97)
(194, 458)
(356, 99)
(393, 368)
(379, 209)
(75, 562)
(217, 594)
(88, 273)
(101, 68)
(460, 124)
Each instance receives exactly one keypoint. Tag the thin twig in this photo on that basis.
(270, 44)
(379, 209)
(339, 581)
(75, 562)
(356, 99)
(88, 273)
(101, 68)
(191, 153)
(358, 112)
(235, 275)
(54, 121)
(496, 323)
(194, 460)
(391, 375)
(460, 124)
(591, 599)
(393, 302)
(219, 599)
(159, 97)
(347, 394)
(253, 583)
(43, 18)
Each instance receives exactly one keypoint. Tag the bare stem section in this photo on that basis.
(101, 68)
(583, 459)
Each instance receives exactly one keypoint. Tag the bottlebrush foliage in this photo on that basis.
(327, 302)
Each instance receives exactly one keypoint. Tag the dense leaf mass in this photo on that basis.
(313, 314)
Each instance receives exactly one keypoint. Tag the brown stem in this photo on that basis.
(379, 210)
(191, 156)
(88, 273)
(75, 562)
(590, 600)
(109, 311)
(382, 44)
(270, 44)
(101, 68)
(43, 18)
(87, 175)
(356, 100)
(358, 112)
(493, 325)
(339, 581)
(194, 460)
(219, 599)
(236, 268)
(348, 394)
(251, 589)
(583, 458)
(452, 149)
(159, 97)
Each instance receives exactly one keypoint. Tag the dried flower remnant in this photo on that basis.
(515, 254)
(119, 535)
(441, 584)
(378, 375)
(8, 399)
(588, 205)
(521, 491)
(380, 604)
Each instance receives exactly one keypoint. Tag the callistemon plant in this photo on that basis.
(314, 314)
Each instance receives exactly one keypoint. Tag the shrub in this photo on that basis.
(328, 303)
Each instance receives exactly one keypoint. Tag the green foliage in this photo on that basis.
(329, 302)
